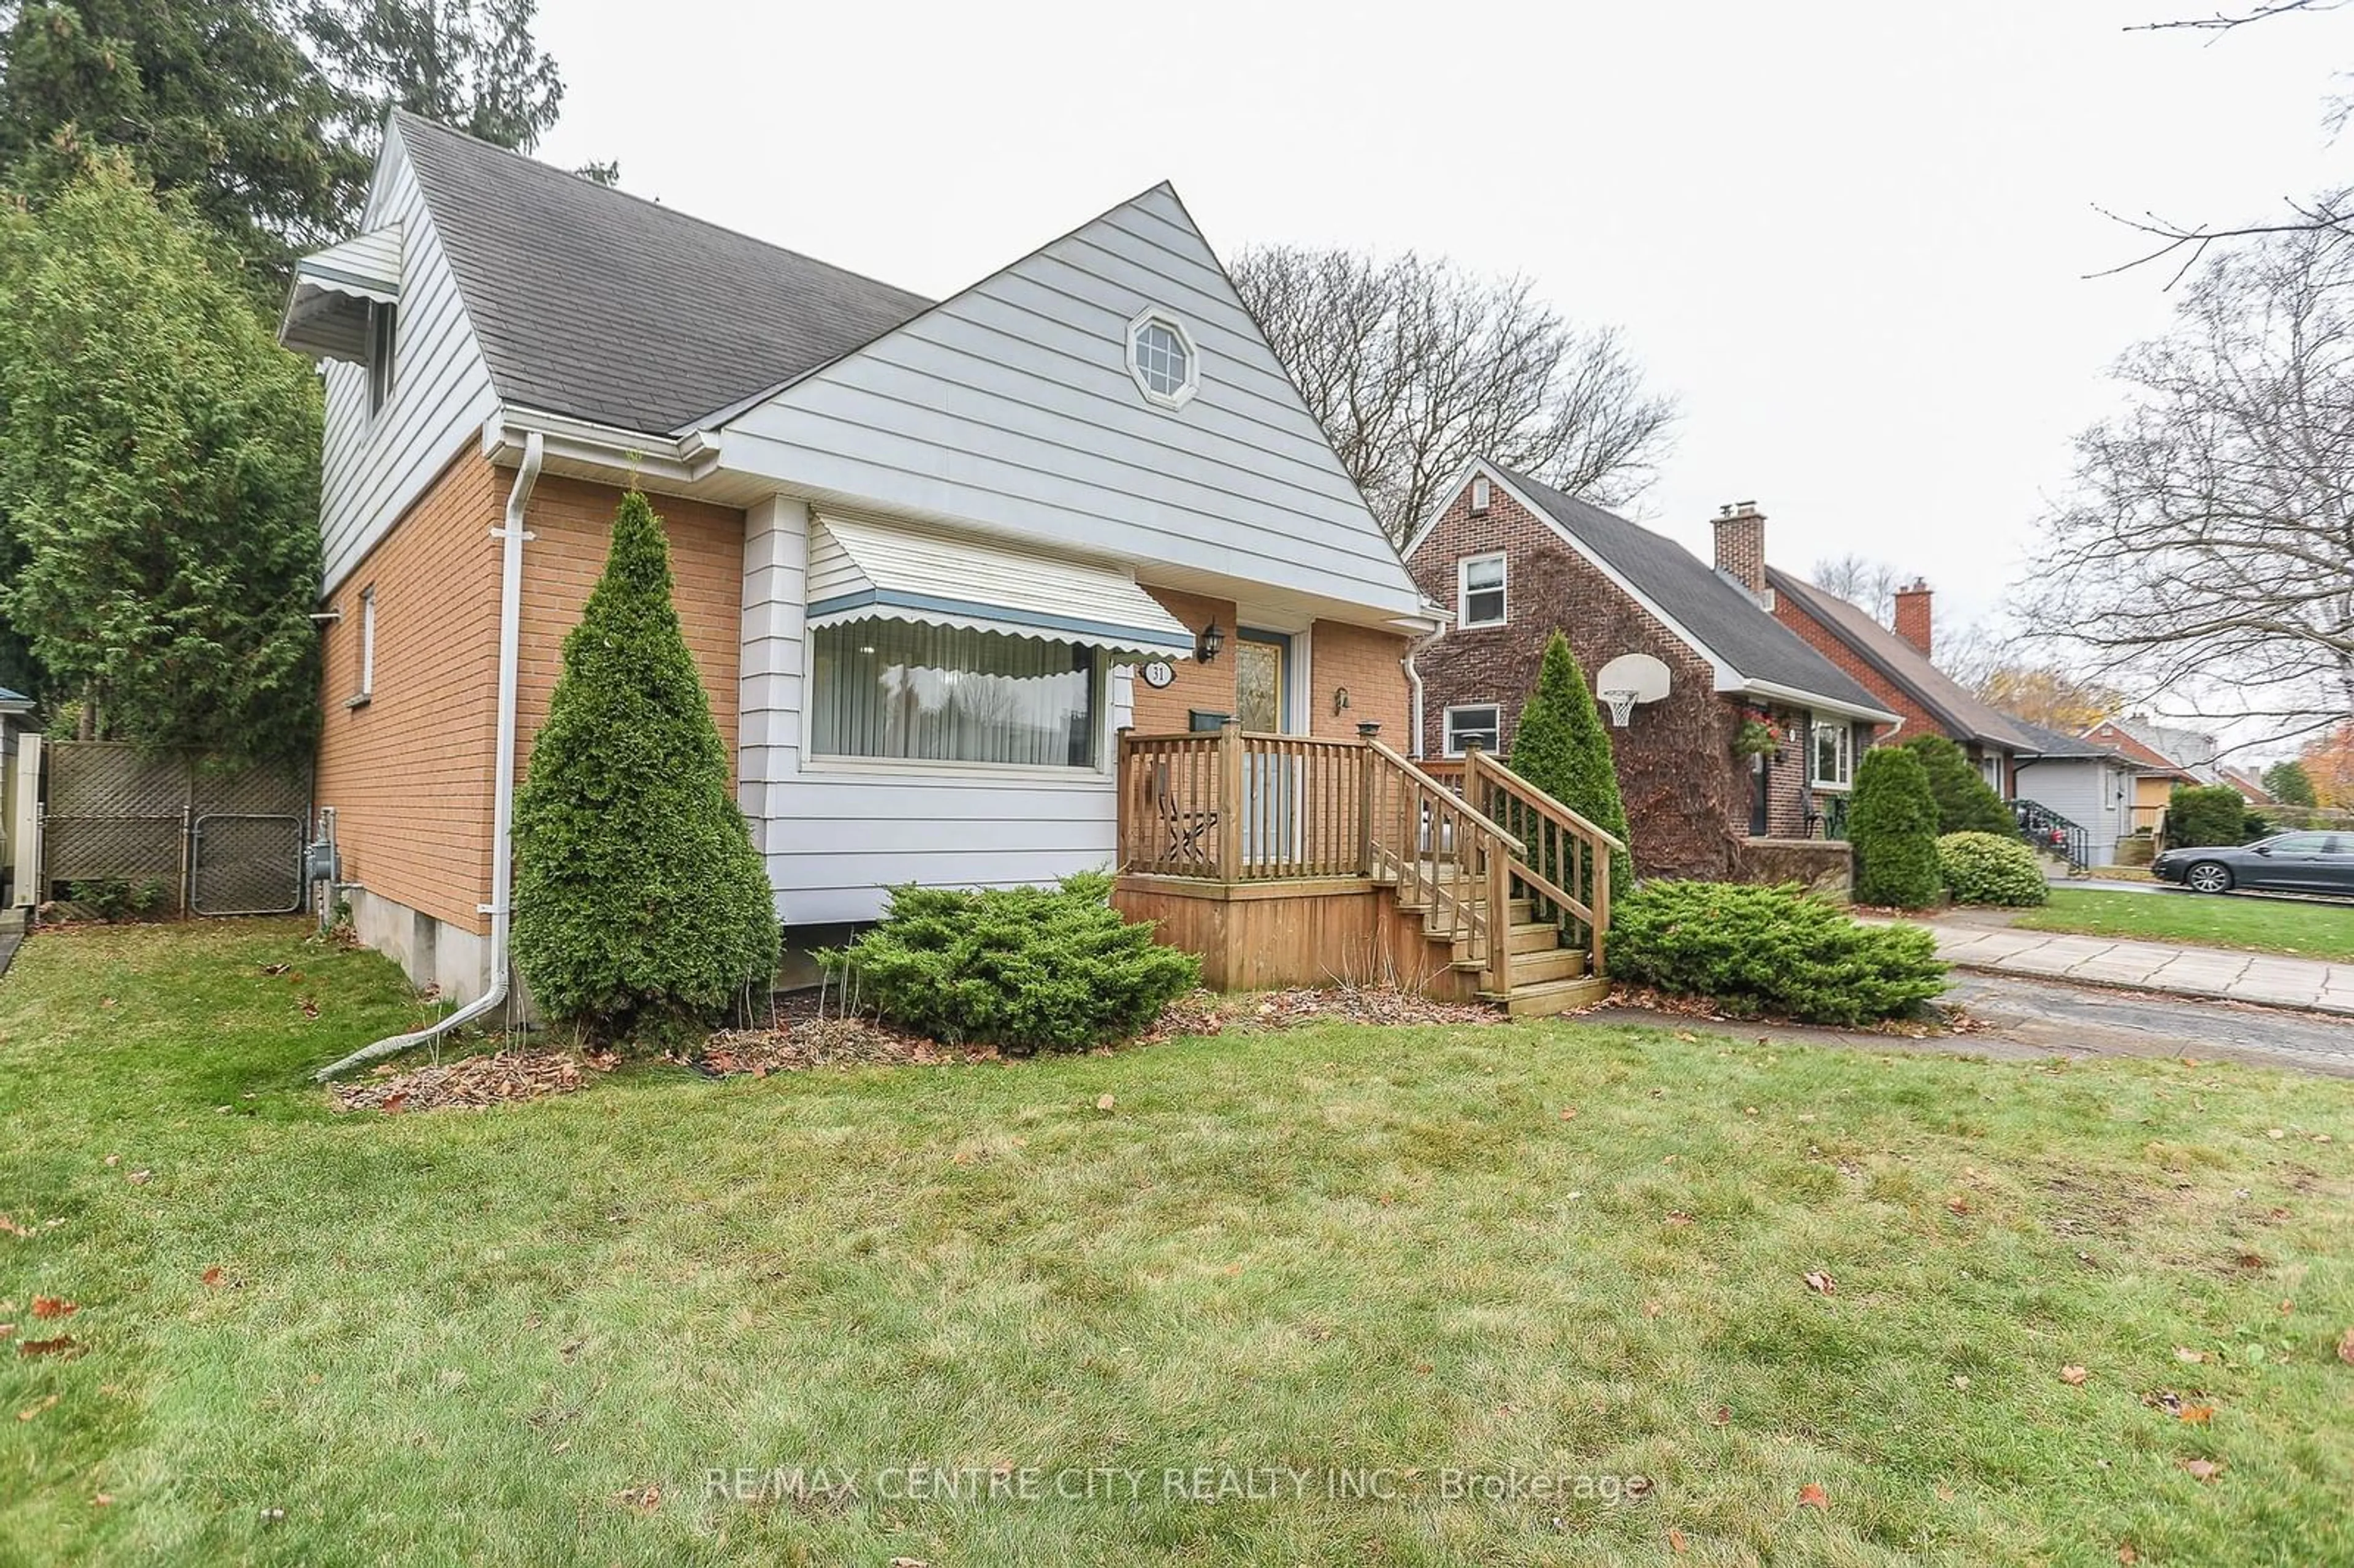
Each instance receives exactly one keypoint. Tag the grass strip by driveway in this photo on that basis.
(2305, 930)
(527, 1334)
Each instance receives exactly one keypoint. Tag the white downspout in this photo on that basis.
(1413, 686)
(501, 907)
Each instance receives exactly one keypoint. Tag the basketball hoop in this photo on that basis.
(1627, 680)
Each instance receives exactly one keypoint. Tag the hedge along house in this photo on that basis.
(931, 557)
(1516, 559)
(1894, 664)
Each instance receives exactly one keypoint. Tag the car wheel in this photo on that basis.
(2209, 877)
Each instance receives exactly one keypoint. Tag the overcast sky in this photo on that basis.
(1849, 237)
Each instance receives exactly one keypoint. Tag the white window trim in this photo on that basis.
(367, 646)
(1157, 315)
(1846, 731)
(1463, 589)
(1446, 744)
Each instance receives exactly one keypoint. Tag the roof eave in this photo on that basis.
(1733, 682)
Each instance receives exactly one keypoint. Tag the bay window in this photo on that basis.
(906, 692)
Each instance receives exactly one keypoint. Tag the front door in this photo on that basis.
(1263, 704)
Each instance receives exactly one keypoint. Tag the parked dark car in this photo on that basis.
(2285, 863)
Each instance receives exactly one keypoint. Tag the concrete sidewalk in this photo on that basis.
(2260, 978)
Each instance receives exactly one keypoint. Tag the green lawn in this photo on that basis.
(2314, 930)
(483, 1336)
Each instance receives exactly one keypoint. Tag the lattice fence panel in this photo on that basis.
(247, 865)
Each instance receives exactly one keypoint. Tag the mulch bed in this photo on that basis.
(503, 1077)
(802, 1041)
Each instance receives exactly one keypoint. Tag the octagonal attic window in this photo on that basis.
(1163, 358)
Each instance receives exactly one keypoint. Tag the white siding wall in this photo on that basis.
(1011, 406)
(373, 469)
(2083, 791)
(834, 837)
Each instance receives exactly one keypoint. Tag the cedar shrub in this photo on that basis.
(2197, 815)
(1966, 802)
(1561, 746)
(641, 907)
(1893, 825)
(1027, 969)
(1990, 868)
(1775, 951)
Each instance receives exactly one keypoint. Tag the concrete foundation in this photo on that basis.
(431, 952)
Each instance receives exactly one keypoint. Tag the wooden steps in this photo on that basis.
(1547, 977)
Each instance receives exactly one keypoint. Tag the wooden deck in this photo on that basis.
(1289, 860)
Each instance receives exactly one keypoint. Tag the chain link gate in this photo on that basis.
(177, 833)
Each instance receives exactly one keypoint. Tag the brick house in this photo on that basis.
(1516, 559)
(1893, 662)
(931, 556)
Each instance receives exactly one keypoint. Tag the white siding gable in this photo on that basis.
(1011, 406)
(374, 468)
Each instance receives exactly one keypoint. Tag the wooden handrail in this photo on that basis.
(1537, 800)
(1479, 818)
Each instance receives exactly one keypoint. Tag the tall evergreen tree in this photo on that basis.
(1561, 747)
(640, 905)
(213, 101)
(2290, 784)
(1967, 803)
(1893, 829)
(470, 64)
(158, 475)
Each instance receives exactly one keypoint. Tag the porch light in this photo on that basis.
(1207, 645)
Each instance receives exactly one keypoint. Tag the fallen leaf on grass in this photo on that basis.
(640, 1499)
(102, 1499)
(54, 1307)
(275, 969)
(2196, 1415)
(910, 1563)
(1820, 1282)
(2073, 1376)
(1104, 1102)
(112, 1160)
(2125, 1553)
(1814, 1496)
(11, 1227)
(310, 1007)
(32, 1410)
(64, 1344)
(1724, 1416)
(2344, 1342)
(213, 1277)
(1676, 1541)
(140, 1177)
(2186, 1354)
(1678, 1217)
(1961, 1382)
(1958, 1205)
(2276, 1132)
(2203, 1469)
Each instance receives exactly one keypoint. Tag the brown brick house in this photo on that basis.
(1893, 662)
(932, 556)
(1516, 559)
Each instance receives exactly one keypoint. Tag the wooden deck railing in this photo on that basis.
(1461, 838)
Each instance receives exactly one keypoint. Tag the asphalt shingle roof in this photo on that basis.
(2053, 743)
(1906, 667)
(1710, 607)
(600, 305)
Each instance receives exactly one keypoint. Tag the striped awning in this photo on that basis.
(327, 305)
(861, 571)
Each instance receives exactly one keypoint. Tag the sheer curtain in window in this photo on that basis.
(938, 693)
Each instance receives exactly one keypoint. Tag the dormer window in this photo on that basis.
(382, 341)
(1162, 359)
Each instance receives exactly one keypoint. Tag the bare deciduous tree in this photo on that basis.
(1867, 584)
(1413, 368)
(2209, 549)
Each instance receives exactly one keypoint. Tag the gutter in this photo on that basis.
(627, 457)
(501, 907)
(1796, 698)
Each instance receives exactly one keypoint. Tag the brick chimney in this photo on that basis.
(1913, 614)
(1741, 544)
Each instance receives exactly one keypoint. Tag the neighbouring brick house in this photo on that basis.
(1516, 559)
(1894, 664)
(931, 556)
